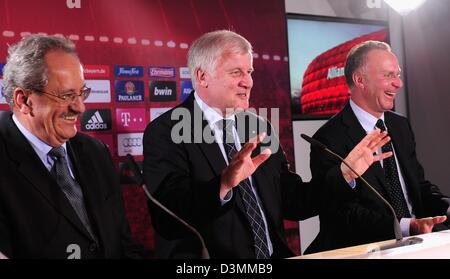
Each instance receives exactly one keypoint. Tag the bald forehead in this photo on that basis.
(379, 58)
(378, 55)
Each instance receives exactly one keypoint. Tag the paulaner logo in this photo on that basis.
(129, 90)
(128, 71)
(96, 120)
(161, 72)
(163, 91)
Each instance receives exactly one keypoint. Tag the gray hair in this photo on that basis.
(356, 58)
(210, 47)
(26, 66)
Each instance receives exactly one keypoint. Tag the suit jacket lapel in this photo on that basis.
(214, 155)
(394, 131)
(356, 133)
(30, 166)
(247, 131)
(84, 175)
(265, 192)
(211, 151)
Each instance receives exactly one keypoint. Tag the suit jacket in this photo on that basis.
(186, 176)
(37, 220)
(361, 217)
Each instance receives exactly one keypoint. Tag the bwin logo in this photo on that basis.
(71, 4)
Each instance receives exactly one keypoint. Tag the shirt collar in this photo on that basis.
(366, 119)
(41, 148)
(211, 115)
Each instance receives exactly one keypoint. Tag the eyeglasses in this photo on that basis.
(69, 97)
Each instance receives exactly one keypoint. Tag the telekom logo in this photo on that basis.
(130, 119)
(71, 4)
(125, 117)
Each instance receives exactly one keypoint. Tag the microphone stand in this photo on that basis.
(399, 241)
(138, 175)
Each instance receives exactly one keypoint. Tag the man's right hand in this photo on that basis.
(242, 165)
(363, 154)
(425, 225)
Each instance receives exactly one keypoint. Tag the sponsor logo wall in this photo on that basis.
(119, 103)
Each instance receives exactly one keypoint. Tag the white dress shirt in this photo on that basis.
(368, 122)
(213, 118)
(41, 148)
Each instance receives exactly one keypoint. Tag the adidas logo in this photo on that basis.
(96, 122)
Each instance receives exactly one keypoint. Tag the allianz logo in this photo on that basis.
(335, 72)
(163, 92)
(96, 122)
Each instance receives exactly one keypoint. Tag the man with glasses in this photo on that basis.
(59, 197)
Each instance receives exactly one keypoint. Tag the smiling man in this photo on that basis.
(59, 197)
(234, 190)
(372, 73)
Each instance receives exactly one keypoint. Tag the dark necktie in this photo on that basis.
(69, 186)
(251, 206)
(393, 180)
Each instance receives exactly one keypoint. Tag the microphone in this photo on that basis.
(138, 174)
(397, 230)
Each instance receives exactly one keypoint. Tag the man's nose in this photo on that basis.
(78, 105)
(246, 81)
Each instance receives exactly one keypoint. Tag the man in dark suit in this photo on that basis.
(59, 197)
(200, 163)
(372, 73)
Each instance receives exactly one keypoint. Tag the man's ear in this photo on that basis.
(358, 79)
(22, 101)
(200, 75)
